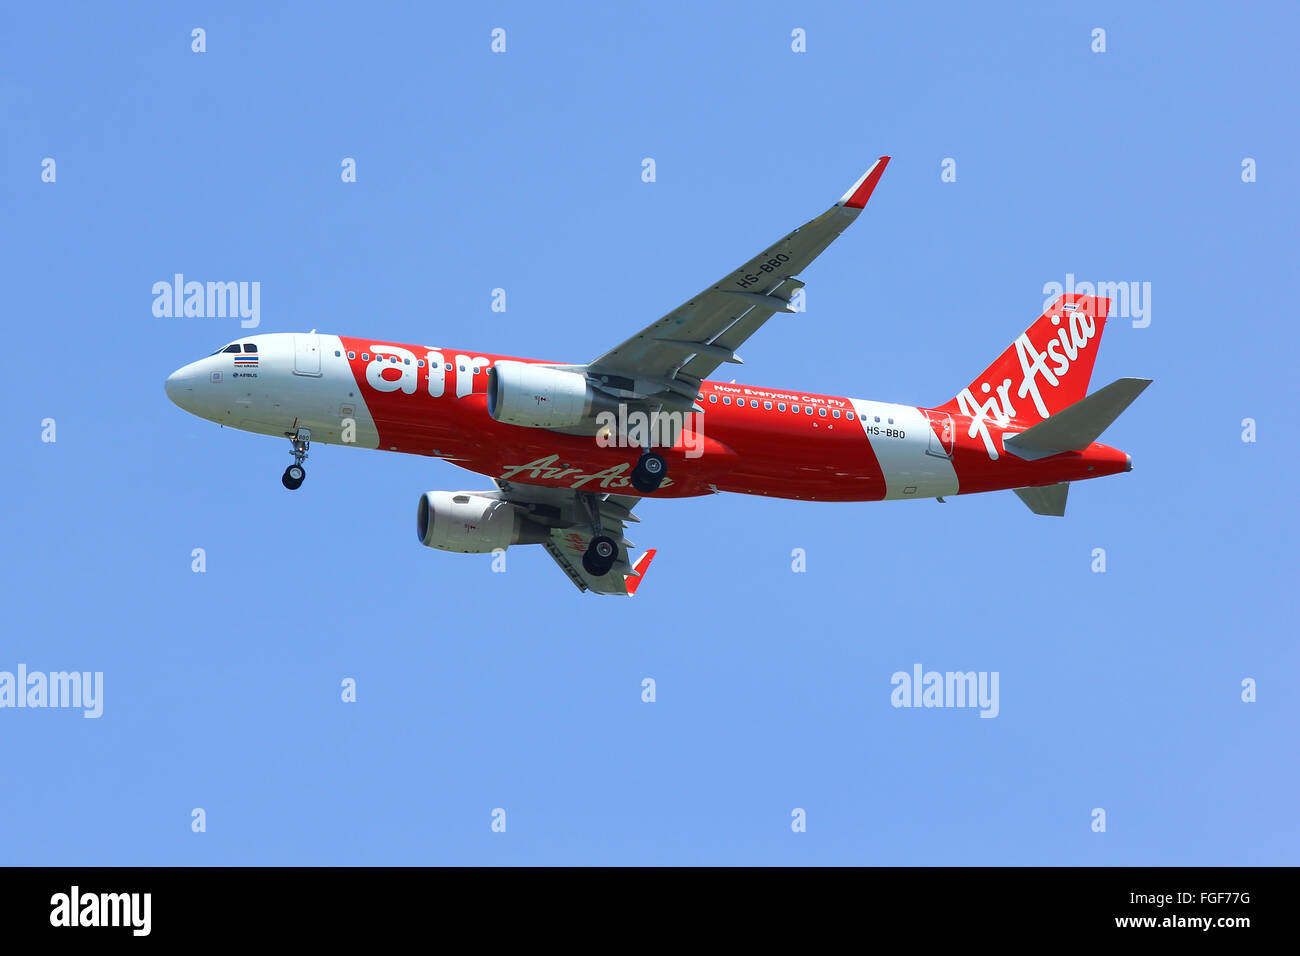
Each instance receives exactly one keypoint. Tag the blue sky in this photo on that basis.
(522, 170)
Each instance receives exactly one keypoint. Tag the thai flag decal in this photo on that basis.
(246, 360)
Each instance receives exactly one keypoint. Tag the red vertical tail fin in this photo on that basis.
(1043, 371)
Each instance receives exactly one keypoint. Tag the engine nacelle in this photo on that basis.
(470, 523)
(540, 397)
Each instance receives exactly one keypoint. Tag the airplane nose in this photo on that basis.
(180, 386)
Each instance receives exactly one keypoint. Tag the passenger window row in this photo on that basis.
(419, 363)
(780, 407)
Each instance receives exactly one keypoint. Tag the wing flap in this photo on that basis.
(567, 547)
(572, 533)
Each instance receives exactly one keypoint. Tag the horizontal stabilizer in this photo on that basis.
(1046, 499)
(1077, 426)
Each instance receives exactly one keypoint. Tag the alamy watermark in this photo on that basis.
(212, 300)
(922, 688)
(636, 428)
(67, 689)
(126, 910)
(1128, 300)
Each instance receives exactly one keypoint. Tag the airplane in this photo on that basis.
(573, 449)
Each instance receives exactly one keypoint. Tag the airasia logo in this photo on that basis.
(1037, 369)
(394, 369)
(549, 469)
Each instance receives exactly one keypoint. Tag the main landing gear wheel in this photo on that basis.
(296, 474)
(600, 556)
(649, 473)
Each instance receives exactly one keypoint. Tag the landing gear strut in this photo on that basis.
(649, 473)
(296, 474)
(602, 552)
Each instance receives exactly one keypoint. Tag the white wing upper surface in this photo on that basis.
(665, 363)
(689, 343)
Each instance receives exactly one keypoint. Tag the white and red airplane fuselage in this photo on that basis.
(572, 448)
(782, 443)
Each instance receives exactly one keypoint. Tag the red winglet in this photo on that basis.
(860, 191)
(634, 579)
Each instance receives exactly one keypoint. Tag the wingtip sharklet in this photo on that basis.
(639, 569)
(860, 192)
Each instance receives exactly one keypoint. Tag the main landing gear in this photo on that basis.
(602, 551)
(296, 474)
(600, 556)
(650, 471)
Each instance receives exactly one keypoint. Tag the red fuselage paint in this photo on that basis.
(746, 450)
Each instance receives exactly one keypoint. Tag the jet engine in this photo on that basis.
(470, 523)
(537, 396)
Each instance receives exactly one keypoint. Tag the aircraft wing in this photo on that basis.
(572, 531)
(567, 548)
(689, 343)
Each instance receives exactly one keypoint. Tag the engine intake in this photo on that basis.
(536, 396)
(470, 523)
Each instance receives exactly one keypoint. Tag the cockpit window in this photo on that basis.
(231, 348)
(250, 347)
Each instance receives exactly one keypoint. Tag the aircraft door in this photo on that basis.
(941, 435)
(306, 354)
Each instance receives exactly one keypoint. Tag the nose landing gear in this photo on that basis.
(296, 474)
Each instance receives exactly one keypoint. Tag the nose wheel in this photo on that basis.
(650, 471)
(296, 474)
